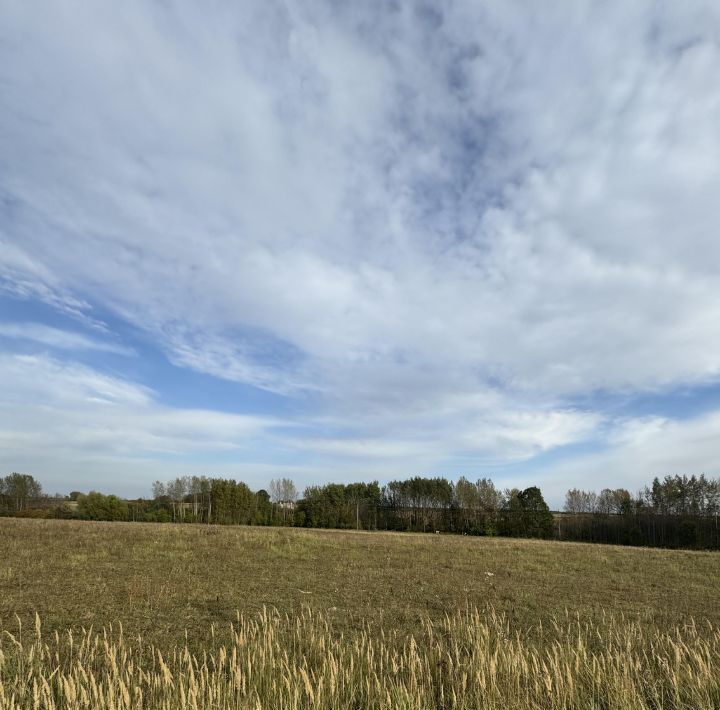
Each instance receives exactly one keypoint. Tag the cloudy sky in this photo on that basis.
(355, 241)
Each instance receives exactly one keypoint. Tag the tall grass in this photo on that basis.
(472, 659)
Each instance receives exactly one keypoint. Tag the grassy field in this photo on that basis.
(601, 610)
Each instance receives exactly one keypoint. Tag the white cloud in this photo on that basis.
(484, 440)
(57, 338)
(636, 450)
(62, 417)
(24, 277)
(380, 211)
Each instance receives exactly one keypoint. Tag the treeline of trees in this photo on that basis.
(678, 511)
(417, 504)
(674, 495)
(202, 499)
(471, 508)
(188, 499)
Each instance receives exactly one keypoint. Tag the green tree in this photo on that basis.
(96, 506)
(526, 514)
(538, 518)
(489, 498)
(19, 489)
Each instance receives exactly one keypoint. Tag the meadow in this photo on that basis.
(134, 615)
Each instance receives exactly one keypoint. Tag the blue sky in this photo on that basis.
(357, 241)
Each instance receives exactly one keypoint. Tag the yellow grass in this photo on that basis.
(471, 659)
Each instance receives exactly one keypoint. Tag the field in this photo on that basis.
(406, 620)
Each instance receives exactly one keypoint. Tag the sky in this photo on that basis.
(339, 241)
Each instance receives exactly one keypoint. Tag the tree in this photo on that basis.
(96, 506)
(512, 522)
(283, 491)
(20, 489)
(206, 495)
(466, 494)
(336, 505)
(264, 509)
(233, 502)
(489, 497)
(526, 514)
(176, 490)
(606, 502)
(577, 501)
(622, 501)
(478, 503)
(284, 494)
(195, 492)
(574, 501)
(362, 496)
(539, 519)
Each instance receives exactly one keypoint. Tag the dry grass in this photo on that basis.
(161, 579)
(469, 660)
(358, 620)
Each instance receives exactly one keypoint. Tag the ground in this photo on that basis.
(162, 579)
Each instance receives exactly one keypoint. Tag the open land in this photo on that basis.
(161, 581)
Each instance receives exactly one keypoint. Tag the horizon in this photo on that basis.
(341, 244)
(555, 505)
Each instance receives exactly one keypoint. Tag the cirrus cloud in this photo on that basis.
(470, 219)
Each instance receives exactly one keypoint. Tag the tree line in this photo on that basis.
(679, 511)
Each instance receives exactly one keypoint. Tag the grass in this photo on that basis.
(470, 660)
(410, 621)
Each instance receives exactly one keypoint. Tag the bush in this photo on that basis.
(96, 506)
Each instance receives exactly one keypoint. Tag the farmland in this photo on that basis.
(176, 586)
